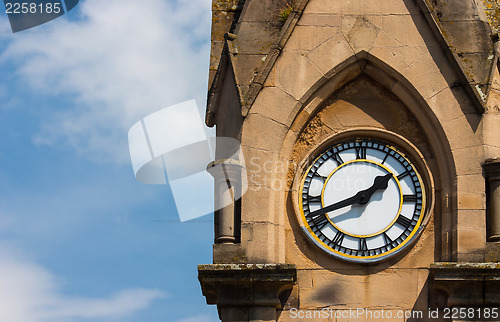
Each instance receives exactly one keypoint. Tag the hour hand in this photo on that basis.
(362, 197)
(380, 182)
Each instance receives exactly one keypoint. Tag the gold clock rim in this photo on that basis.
(382, 255)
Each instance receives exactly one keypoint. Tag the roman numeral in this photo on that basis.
(320, 221)
(314, 199)
(339, 238)
(320, 177)
(404, 174)
(387, 239)
(336, 157)
(362, 245)
(360, 153)
(403, 221)
(409, 198)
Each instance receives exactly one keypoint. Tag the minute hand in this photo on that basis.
(362, 197)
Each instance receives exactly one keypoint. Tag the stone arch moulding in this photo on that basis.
(363, 63)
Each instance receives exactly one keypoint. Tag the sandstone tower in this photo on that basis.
(370, 139)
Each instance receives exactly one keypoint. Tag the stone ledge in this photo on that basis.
(465, 271)
(239, 285)
(240, 267)
(464, 284)
(492, 168)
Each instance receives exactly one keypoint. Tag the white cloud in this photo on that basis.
(120, 61)
(29, 293)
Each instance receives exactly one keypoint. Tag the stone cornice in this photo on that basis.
(464, 284)
(492, 169)
(246, 284)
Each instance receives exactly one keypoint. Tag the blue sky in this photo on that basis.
(80, 238)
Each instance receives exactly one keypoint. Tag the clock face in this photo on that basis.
(362, 200)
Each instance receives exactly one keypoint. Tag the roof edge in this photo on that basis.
(265, 69)
(479, 99)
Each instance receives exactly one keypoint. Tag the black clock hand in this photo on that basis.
(362, 197)
(380, 182)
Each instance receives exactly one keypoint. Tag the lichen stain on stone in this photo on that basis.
(311, 132)
(493, 14)
(315, 131)
(429, 3)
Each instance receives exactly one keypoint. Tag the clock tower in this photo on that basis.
(369, 168)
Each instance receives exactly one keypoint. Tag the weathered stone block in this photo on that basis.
(227, 253)
(470, 240)
(456, 10)
(450, 104)
(305, 278)
(253, 38)
(306, 38)
(395, 26)
(469, 184)
(471, 220)
(468, 160)
(362, 35)
(491, 130)
(386, 43)
(271, 79)
(276, 104)
(471, 201)
(246, 67)
(272, 131)
(323, 20)
(430, 75)
(353, 7)
(261, 248)
(331, 53)
(296, 74)
(263, 11)
(463, 131)
(335, 290)
(463, 35)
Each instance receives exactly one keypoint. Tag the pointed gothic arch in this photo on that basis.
(442, 165)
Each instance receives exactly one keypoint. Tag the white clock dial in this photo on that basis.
(362, 200)
(362, 219)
